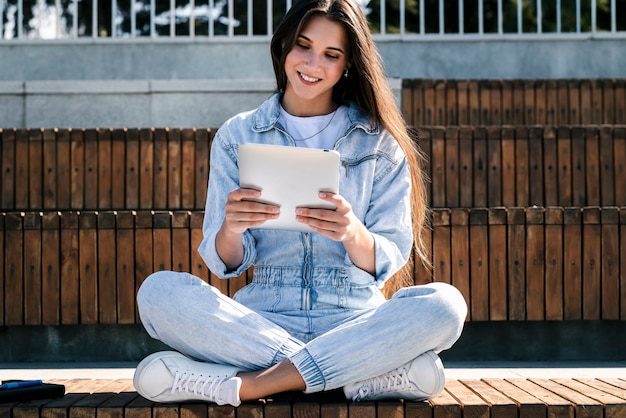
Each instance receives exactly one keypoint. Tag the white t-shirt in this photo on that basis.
(315, 131)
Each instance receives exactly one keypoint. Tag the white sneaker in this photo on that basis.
(169, 376)
(419, 379)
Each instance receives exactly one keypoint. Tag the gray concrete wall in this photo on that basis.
(200, 83)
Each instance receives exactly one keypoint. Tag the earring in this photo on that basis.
(345, 73)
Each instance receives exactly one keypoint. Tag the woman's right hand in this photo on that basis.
(243, 213)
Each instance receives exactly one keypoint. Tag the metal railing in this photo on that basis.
(247, 19)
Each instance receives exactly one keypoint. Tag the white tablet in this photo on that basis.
(289, 177)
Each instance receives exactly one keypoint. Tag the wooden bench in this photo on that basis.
(529, 398)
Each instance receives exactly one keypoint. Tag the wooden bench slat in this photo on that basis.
(582, 403)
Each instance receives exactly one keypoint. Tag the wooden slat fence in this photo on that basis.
(430, 102)
(513, 263)
(167, 169)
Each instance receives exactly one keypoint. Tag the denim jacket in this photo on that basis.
(300, 271)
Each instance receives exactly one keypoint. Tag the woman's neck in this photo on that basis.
(308, 108)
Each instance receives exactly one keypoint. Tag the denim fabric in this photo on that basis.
(193, 317)
(307, 301)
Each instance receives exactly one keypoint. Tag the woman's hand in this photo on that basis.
(241, 214)
(341, 224)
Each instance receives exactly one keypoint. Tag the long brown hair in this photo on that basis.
(367, 85)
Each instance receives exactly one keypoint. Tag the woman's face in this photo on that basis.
(313, 66)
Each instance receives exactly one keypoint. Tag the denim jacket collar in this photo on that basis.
(266, 116)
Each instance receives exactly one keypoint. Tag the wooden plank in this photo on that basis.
(63, 169)
(438, 167)
(407, 101)
(563, 103)
(88, 289)
(7, 183)
(573, 102)
(540, 102)
(144, 249)
(508, 166)
(592, 265)
(114, 406)
(495, 102)
(146, 169)
(452, 102)
(125, 266)
(481, 167)
(597, 107)
(2, 255)
(551, 167)
(452, 165)
(91, 169)
(13, 270)
(77, 173)
(181, 251)
(622, 258)
(613, 406)
(138, 408)
(619, 164)
(604, 387)
(500, 404)
(429, 110)
(174, 169)
(564, 168)
(518, 103)
(536, 169)
(445, 405)
(473, 405)
(556, 406)
(466, 167)
(441, 245)
(473, 101)
(118, 169)
(440, 103)
(88, 405)
(554, 278)
(528, 406)
(49, 161)
(517, 263)
(188, 158)
(552, 104)
(462, 102)
(572, 264)
(70, 268)
(51, 268)
(522, 167)
(586, 107)
(460, 251)
(107, 267)
(59, 407)
(32, 268)
(607, 173)
(201, 410)
(486, 116)
(21, 169)
(497, 264)
(507, 102)
(132, 160)
(417, 93)
(620, 101)
(584, 406)
(105, 180)
(479, 264)
(160, 193)
(608, 101)
(578, 164)
(35, 172)
(201, 175)
(162, 235)
(245, 410)
(494, 161)
(165, 411)
(535, 262)
(198, 268)
(610, 280)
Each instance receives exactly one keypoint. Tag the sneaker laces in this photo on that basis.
(197, 384)
(395, 380)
